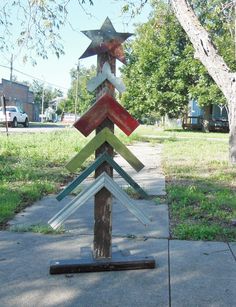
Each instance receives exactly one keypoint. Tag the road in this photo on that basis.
(33, 128)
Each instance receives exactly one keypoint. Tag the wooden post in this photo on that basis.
(103, 199)
(4, 112)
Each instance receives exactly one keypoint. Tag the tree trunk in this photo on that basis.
(206, 118)
(232, 122)
(206, 52)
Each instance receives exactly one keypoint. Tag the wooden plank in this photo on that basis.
(103, 181)
(104, 136)
(102, 158)
(87, 265)
(103, 199)
(103, 223)
(105, 74)
(106, 107)
(124, 152)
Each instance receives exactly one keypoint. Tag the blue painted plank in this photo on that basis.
(104, 157)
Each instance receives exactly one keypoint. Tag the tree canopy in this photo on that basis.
(162, 74)
(39, 90)
(33, 27)
(79, 79)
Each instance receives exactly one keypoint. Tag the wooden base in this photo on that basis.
(120, 261)
(85, 265)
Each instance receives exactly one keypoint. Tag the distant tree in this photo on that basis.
(39, 89)
(212, 57)
(84, 99)
(162, 74)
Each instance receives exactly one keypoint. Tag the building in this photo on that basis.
(217, 116)
(18, 94)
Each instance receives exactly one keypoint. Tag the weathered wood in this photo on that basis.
(103, 224)
(106, 107)
(104, 137)
(103, 181)
(105, 74)
(88, 265)
(106, 40)
(107, 44)
(102, 158)
(102, 243)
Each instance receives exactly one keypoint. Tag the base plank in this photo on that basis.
(87, 264)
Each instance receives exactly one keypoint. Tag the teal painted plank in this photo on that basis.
(81, 177)
(104, 157)
(123, 174)
(104, 136)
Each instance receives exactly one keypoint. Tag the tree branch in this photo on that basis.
(205, 50)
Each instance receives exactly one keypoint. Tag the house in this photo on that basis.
(18, 94)
(217, 116)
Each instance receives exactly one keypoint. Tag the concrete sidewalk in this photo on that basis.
(187, 274)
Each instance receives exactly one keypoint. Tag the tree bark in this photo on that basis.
(232, 122)
(206, 118)
(207, 53)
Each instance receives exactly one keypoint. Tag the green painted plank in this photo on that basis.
(104, 136)
(124, 151)
(102, 158)
(87, 151)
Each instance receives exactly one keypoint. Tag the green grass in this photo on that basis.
(33, 165)
(201, 185)
(132, 193)
(39, 228)
(201, 189)
(160, 133)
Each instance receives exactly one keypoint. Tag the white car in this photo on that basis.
(14, 116)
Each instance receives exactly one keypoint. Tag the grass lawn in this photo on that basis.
(32, 165)
(201, 185)
(201, 188)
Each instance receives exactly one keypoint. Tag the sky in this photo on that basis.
(56, 72)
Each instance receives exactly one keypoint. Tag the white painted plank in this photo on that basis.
(105, 74)
(102, 181)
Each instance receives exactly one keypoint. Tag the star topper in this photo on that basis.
(106, 40)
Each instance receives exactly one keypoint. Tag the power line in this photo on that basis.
(35, 78)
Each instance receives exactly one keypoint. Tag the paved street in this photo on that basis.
(33, 128)
(187, 273)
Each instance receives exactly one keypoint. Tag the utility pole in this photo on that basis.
(3, 103)
(11, 67)
(76, 90)
(42, 104)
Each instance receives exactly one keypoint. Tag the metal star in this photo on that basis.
(106, 40)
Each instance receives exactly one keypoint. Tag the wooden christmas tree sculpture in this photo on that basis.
(104, 113)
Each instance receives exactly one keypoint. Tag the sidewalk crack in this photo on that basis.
(169, 281)
(231, 251)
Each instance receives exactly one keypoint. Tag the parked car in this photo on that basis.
(69, 118)
(14, 116)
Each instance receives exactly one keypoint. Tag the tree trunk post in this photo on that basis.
(232, 121)
(103, 199)
(206, 118)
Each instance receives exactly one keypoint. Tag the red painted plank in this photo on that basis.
(106, 107)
